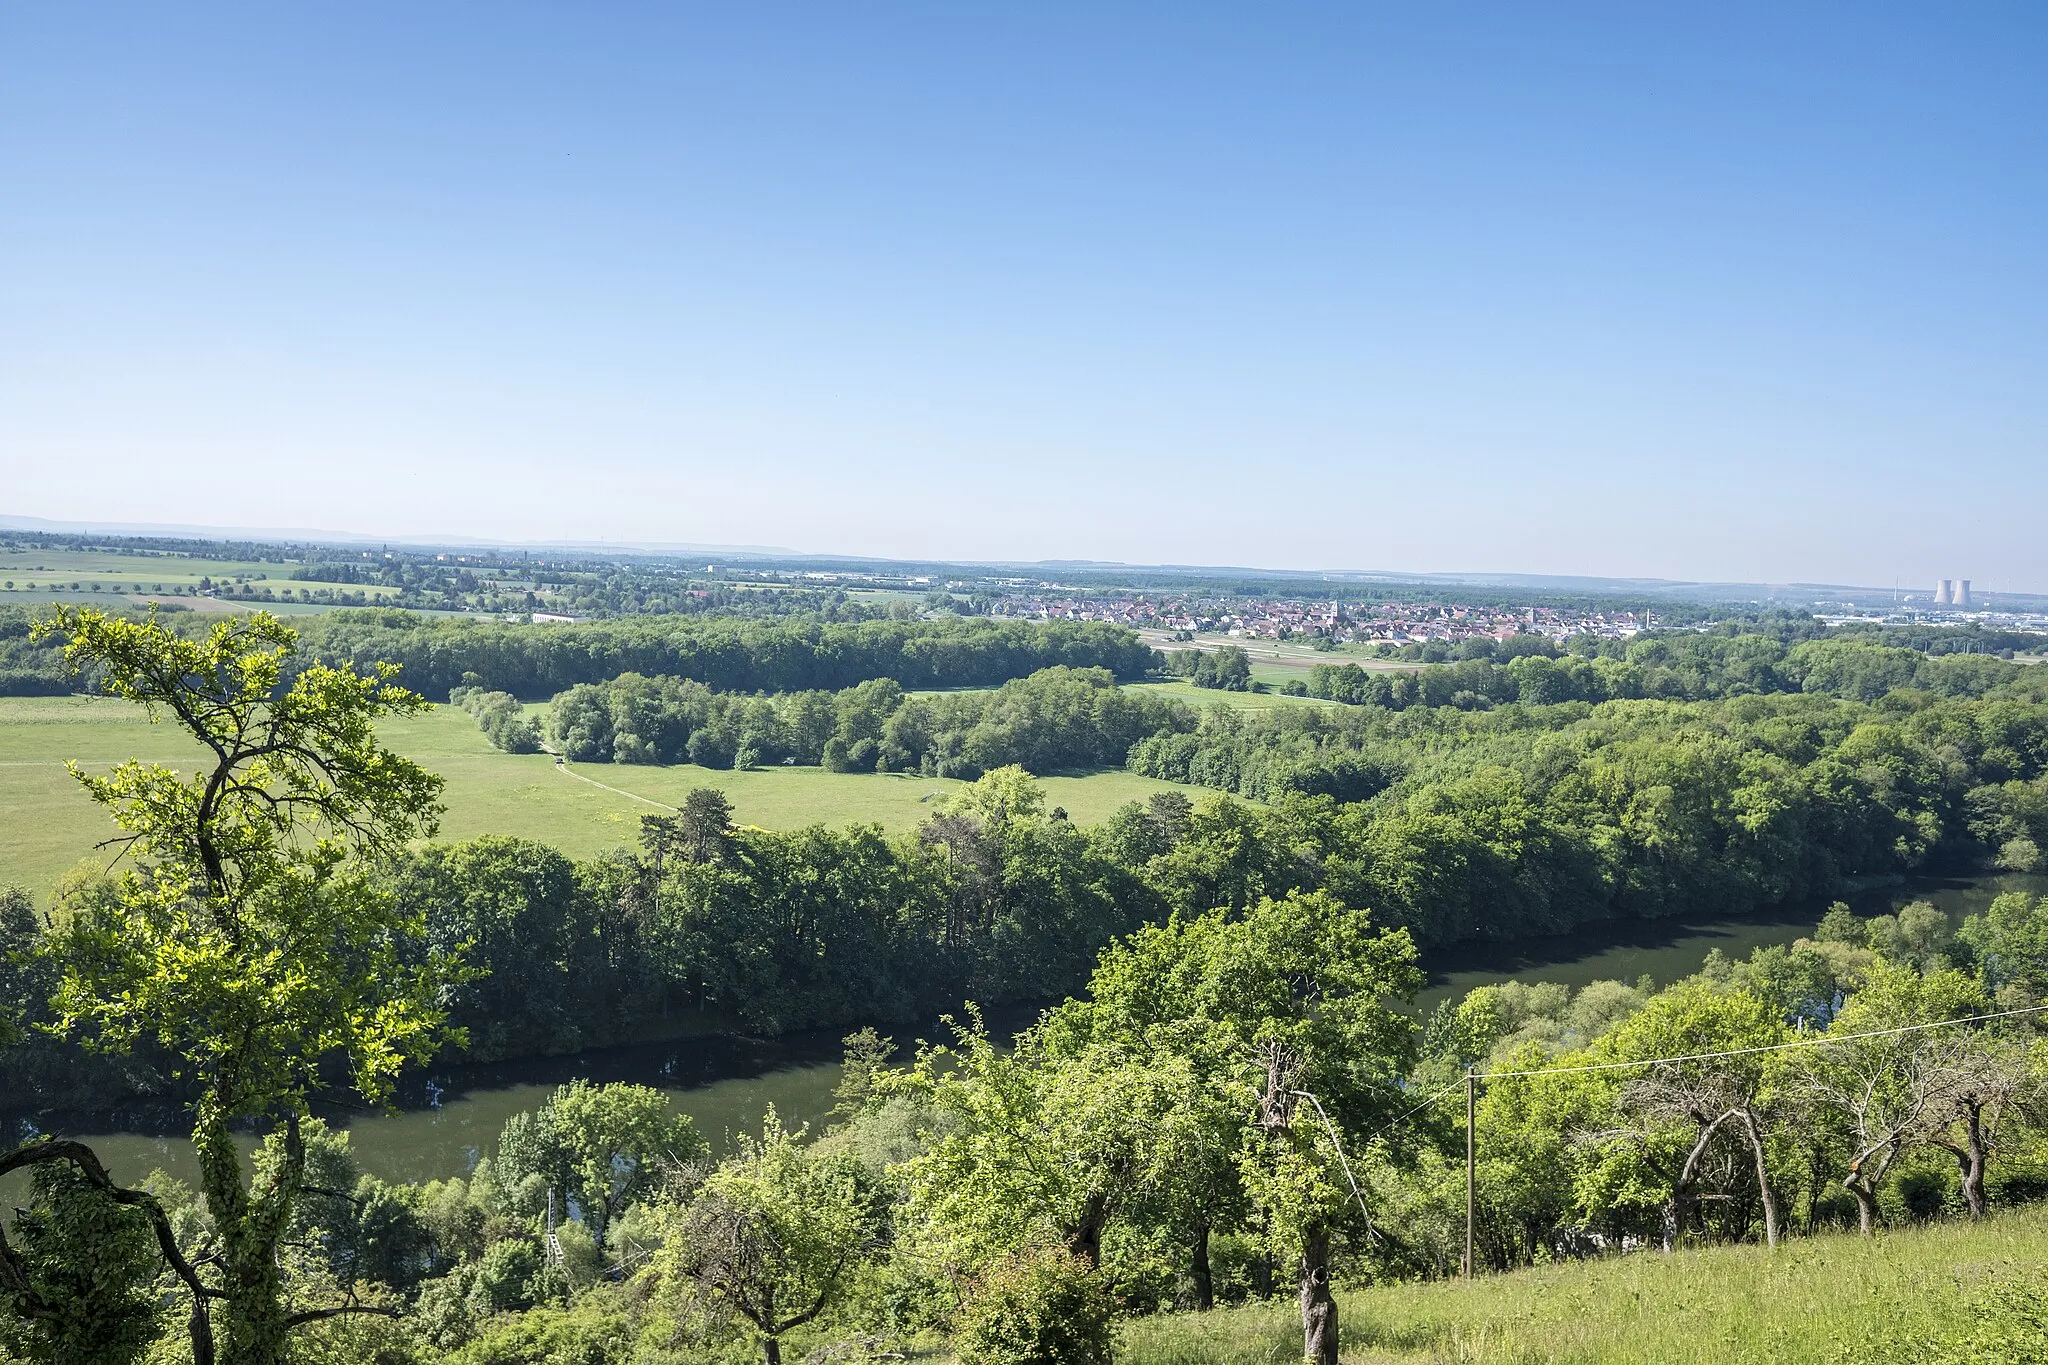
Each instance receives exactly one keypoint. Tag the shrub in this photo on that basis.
(1043, 1308)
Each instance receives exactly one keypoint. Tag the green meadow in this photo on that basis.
(47, 824)
(1840, 1299)
(34, 576)
(1243, 701)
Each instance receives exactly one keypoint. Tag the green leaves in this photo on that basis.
(250, 939)
(87, 1268)
(598, 1145)
(777, 1232)
(287, 758)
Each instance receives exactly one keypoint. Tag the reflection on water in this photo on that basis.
(449, 1117)
(445, 1120)
(1666, 950)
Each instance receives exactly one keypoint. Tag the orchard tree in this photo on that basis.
(1669, 1120)
(1290, 1005)
(1991, 1083)
(249, 937)
(776, 1233)
(1879, 1093)
(1029, 1147)
(601, 1145)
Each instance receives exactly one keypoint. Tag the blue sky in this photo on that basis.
(1728, 291)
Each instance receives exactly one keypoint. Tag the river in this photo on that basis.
(448, 1118)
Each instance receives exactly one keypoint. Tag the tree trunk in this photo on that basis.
(771, 1350)
(252, 1321)
(1973, 1157)
(1678, 1214)
(1863, 1180)
(1678, 1209)
(1754, 1132)
(1318, 1308)
(1866, 1203)
(1198, 1270)
(1816, 1181)
(1086, 1239)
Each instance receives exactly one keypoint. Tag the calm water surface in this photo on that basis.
(449, 1117)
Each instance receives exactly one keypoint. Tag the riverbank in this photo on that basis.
(447, 1116)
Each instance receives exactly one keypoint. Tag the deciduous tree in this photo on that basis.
(249, 938)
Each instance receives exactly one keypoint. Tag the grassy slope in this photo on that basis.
(47, 824)
(1817, 1299)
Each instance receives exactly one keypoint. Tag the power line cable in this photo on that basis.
(1403, 1118)
(1818, 1040)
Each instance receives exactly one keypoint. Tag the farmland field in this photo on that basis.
(28, 577)
(1243, 701)
(47, 824)
(1180, 690)
(1287, 657)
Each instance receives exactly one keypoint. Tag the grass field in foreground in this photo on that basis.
(47, 824)
(1837, 1298)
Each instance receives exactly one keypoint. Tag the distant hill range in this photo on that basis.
(1073, 573)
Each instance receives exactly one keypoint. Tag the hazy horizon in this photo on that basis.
(1748, 295)
(341, 538)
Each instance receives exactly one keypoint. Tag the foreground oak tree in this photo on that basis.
(247, 936)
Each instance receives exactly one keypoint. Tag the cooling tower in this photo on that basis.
(1961, 595)
(1941, 590)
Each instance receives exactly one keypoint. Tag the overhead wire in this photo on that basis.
(1817, 1040)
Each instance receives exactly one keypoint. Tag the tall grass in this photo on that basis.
(1914, 1295)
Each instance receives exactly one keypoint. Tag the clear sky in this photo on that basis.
(1692, 290)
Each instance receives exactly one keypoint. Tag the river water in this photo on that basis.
(445, 1120)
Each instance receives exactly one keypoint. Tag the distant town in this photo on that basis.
(1265, 618)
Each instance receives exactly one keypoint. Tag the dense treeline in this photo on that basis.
(1056, 719)
(1972, 638)
(1485, 825)
(26, 668)
(710, 926)
(1227, 668)
(1536, 819)
(1679, 667)
(730, 655)
(737, 652)
(1788, 628)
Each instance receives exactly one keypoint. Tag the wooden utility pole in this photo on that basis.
(1471, 1162)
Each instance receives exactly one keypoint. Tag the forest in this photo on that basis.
(727, 652)
(1054, 720)
(1234, 1100)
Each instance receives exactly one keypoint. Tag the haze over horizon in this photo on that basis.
(1754, 294)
